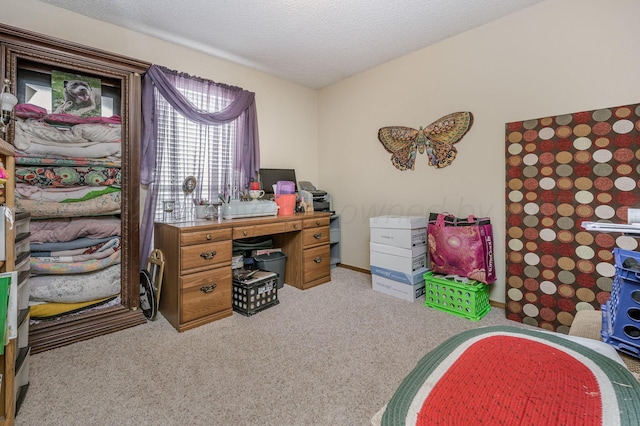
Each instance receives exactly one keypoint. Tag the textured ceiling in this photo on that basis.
(311, 42)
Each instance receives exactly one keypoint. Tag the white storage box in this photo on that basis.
(399, 231)
(415, 278)
(398, 222)
(405, 238)
(398, 259)
(408, 292)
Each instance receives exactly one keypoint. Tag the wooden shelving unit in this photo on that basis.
(8, 360)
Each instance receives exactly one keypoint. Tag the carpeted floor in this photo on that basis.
(330, 355)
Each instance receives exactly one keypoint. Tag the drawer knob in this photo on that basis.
(208, 255)
(318, 259)
(295, 226)
(208, 237)
(317, 236)
(318, 222)
(245, 233)
(208, 288)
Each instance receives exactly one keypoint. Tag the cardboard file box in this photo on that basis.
(415, 278)
(399, 231)
(398, 259)
(408, 292)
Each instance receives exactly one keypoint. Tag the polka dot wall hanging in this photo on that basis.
(562, 171)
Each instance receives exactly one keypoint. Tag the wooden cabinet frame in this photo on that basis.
(18, 46)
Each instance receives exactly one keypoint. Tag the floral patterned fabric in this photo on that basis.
(40, 266)
(56, 177)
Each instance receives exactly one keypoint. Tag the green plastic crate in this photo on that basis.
(467, 300)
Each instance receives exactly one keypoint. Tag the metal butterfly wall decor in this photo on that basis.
(436, 139)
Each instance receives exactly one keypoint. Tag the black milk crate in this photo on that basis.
(255, 294)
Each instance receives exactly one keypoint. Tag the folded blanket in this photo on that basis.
(110, 151)
(39, 139)
(40, 266)
(78, 259)
(108, 204)
(79, 243)
(107, 247)
(65, 176)
(48, 310)
(71, 161)
(68, 229)
(36, 131)
(62, 195)
(75, 288)
(33, 111)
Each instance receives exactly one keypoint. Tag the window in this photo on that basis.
(187, 149)
(193, 127)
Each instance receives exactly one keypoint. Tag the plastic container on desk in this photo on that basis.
(286, 204)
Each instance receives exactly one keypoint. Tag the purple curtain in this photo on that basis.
(241, 109)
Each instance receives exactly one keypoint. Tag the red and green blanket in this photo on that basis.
(512, 376)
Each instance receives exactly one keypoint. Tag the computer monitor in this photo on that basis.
(269, 177)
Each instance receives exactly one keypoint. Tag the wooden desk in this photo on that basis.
(197, 283)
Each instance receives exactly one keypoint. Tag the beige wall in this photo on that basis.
(559, 56)
(556, 57)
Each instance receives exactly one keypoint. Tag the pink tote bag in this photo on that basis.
(461, 247)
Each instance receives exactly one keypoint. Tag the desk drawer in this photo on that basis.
(292, 226)
(317, 222)
(205, 255)
(315, 236)
(317, 263)
(204, 236)
(259, 230)
(205, 293)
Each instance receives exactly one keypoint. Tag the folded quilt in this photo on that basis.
(79, 135)
(33, 111)
(106, 250)
(40, 266)
(75, 288)
(36, 138)
(62, 195)
(66, 176)
(71, 161)
(49, 310)
(108, 204)
(101, 250)
(110, 151)
(77, 258)
(67, 229)
(79, 243)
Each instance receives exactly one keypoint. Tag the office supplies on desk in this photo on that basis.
(320, 200)
(237, 209)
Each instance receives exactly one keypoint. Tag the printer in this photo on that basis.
(320, 200)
